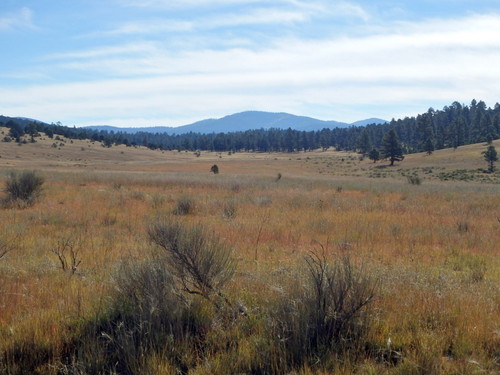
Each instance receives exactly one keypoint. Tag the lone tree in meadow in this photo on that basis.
(214, 169)
(490, 155)
(391, 147)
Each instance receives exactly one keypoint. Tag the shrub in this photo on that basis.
(23, 189)
(5, 247)
(414, 180)
(67, 252)
(201, 263)
(146, 317)
(185, 206)
(326, 314)
(229, 210)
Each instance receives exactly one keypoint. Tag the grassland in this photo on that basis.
(432, 251)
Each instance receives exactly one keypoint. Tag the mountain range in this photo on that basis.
(244, 121)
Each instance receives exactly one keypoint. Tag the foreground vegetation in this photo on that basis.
(324, 268)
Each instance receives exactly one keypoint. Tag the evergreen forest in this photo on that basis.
(451, 127)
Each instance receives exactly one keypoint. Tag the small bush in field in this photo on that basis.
(185, 206)
(23, 188)
(414, 180)
(229, 210)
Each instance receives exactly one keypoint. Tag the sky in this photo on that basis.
(172, 62)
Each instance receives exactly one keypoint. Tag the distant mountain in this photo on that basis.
(245, 121)
(369, 121)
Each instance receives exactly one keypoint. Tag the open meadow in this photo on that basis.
(86, 286)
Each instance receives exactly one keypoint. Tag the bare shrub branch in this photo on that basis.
(68, 254)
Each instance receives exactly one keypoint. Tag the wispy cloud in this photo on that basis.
(22, 19)
(267, 13)
(259, 13)
(405, 64)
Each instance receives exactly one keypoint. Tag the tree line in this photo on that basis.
(453, 126)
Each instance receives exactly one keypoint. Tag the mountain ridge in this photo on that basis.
(242, 121)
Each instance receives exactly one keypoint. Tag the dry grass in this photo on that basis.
(433, 247)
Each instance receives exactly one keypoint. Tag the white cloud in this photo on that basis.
(431, 62)
(261, 13)
(23, 19)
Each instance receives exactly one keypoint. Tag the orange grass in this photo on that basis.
(434, 249)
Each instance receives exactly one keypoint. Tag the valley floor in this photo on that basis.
(429, 249)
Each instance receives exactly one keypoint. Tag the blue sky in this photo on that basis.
(172, 62)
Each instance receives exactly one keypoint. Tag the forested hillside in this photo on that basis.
(453, 126)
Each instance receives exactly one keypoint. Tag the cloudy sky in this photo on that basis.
(172, 62)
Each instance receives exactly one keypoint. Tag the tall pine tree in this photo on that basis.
(391, 147)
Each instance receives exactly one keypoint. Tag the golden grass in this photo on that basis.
(434, 248)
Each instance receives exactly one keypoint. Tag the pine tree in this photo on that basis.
(374, 155)
(429, 146)
(364, 143)
(490, 155)
(391, 147)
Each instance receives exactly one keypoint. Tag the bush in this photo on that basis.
(23, 189)
(414, 180)
(326, 314)
(185, 206)
(229, 210)
(146, 317)
(201, 263)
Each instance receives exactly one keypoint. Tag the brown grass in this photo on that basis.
(434, 247)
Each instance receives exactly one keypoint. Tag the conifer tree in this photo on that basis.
(490, 155)
(391, 147)
(374, 155)
(429, 146)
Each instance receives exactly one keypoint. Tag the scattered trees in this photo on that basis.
(453, 126)
(16, 131)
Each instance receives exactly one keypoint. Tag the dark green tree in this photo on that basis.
(391, 147)
(429, 146)
(16, 131)
(214, 169)
(374, 155)
(364, 143)
(491, 156)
